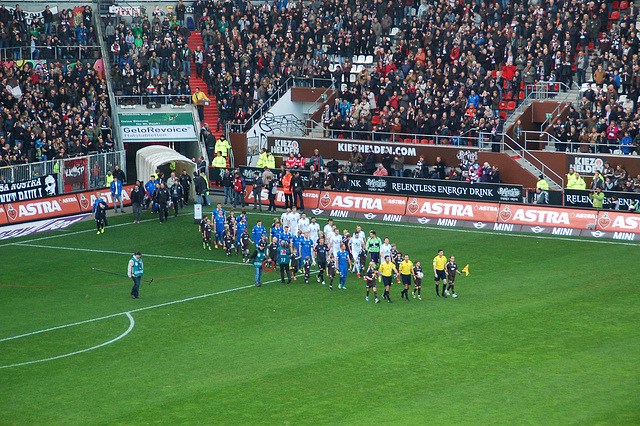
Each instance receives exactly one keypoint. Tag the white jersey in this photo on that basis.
(304, 225)
(284, 220)
(336, 240)
(294, 220)
(314, 232)
(385, 250)
(328, 232)
(357, 240)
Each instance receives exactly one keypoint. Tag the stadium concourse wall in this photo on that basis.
(504, 217)
(56, 206)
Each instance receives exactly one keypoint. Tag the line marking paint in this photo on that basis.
(132, 323)
(146, 308)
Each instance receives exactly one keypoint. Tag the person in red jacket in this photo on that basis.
(291, 161)
(286, 188)
(300, 163)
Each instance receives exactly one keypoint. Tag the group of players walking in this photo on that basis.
(296, 243)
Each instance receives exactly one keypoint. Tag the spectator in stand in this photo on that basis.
(57, 107)
(381, 171)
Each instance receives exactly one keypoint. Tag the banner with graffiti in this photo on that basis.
(43, 186)
(75, 174)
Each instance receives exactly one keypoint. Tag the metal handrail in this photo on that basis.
(400, 137)
(115, 119)
(574, 146)
(77, 56)
(145, 98)
(544, 169)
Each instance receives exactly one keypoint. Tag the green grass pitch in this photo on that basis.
(545, 331)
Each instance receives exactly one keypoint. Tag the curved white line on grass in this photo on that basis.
(132, 323)
(145, 308)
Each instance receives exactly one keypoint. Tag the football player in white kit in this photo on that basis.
(328, 231)
(304, 223)
(284, 218)
(314, 231)
(294, 221)
(357, 246)
(335, 241)
(385, 249)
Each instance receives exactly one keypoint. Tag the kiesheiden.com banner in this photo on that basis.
(158, 126)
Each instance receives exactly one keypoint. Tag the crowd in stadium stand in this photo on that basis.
(152, 58)
(454, 68)
(51, 108)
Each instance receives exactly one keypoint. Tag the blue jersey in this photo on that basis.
(285, 237)
(343, 260)
(257, 233)
(297, 239)
(218, 220)
(305, 248)
(276, 232)
(240, 227)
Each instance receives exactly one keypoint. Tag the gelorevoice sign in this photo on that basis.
(157, 126)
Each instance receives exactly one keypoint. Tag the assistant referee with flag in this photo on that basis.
(135, 271)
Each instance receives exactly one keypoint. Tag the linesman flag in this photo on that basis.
(466, 270)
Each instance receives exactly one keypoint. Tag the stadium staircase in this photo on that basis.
(211, 110)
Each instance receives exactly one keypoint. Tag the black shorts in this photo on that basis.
(375, 257)
(387, 280)
(452, 278)
(371, 283)
(322, 265)
(406, 279)
(418, 282)
(441, 275)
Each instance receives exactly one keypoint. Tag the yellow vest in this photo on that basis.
(222, 145)
(262, 160)
(109, 180)
(219, 161)
(543, 185)
(271, 161)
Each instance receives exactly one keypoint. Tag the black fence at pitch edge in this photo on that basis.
(430, 188)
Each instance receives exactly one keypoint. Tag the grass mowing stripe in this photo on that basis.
(478, 231)
(146, 308)
(74, 233)
(120, 253)
(132, 323)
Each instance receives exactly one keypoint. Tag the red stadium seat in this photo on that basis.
(521, 96)
(507, 95)
(503, 105)
(522, 85)
(505, 84)
(407, 140)
(424, 141)
(615, 15)
(432, 142)
(615, 5)
(591, 46)
(511, 105)
(624, 5)
(340, 136)
(503, 115)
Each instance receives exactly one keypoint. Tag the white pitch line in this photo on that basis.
(160, 256)
(146, 308)
(132, 323)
